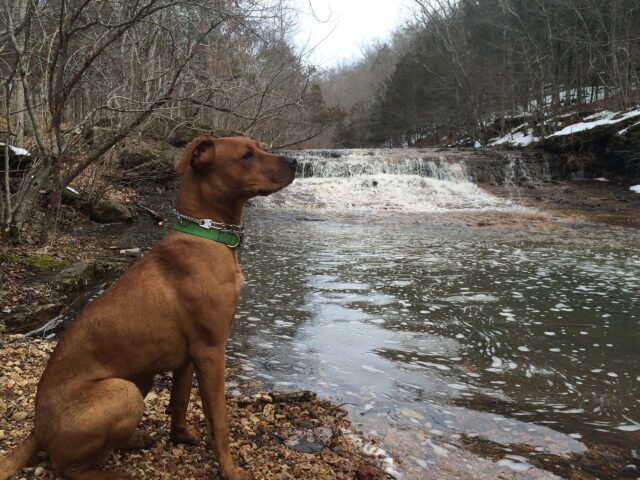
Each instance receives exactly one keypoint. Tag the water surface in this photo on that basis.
(473, 337)
(430, 329)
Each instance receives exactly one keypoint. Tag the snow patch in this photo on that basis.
(628, 428)
(517, 139)
(635, 188)
(597, 119)
(601, 115)
(513, 465)
(624, 131)
(21, 152)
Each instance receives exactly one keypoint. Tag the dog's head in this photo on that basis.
(235, 167)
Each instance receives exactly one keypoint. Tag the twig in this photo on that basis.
(153, 214)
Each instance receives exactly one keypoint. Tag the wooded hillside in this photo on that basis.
(460, 65)
(79, 76)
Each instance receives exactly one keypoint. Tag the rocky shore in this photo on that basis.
(275, 436)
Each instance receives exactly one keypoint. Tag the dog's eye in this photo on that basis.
(248, 155)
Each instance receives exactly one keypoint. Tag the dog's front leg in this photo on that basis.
(210, 370)
(180, 395)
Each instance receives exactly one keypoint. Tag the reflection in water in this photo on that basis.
(445, 330)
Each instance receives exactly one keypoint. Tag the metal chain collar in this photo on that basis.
(208, 223)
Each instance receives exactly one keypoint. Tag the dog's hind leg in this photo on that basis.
(103, 416)
(139, 440)
(181, 432)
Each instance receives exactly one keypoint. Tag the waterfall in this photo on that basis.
(349, 163)
(413, 180)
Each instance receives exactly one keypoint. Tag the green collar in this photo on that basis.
(230, 239)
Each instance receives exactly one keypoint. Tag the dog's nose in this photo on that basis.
(292, 162)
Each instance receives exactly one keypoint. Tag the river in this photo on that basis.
(471, 336)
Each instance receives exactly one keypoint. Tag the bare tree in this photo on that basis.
(473, 62)
(80, 64)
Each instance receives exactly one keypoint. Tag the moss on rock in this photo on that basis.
(40, 261)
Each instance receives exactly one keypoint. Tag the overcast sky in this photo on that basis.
(348, 25)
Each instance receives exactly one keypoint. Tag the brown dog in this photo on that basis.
(171, 311)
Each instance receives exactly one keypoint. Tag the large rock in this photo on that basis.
(25, 318)
(71, 196)
(85, 273)
(609, 150)
(19, 159)
(108, 210)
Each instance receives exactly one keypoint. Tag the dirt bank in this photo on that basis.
(608, 202)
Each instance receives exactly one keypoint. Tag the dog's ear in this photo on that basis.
(199, 154)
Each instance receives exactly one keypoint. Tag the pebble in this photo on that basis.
(151, 397)
(256, 427)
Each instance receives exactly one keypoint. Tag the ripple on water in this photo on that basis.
(508, 335)
(482, 319)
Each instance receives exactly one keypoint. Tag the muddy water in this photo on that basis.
(472, 337)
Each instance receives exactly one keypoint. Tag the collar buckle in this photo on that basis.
(206, 223)
(238, 242)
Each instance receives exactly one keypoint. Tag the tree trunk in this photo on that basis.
(18, 130)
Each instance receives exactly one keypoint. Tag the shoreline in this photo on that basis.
(274, 437)
(607, 202)
(40, 282)
(553, 206)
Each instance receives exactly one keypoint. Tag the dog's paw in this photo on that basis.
(139, 440)
(237, 473)
(186, 434)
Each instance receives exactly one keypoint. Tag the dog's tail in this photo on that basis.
(19, 457)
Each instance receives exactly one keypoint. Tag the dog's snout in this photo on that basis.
(291, 162)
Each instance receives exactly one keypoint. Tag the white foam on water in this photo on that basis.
(371, 369)
(387, 462)
(516, 466)
(412, 193)
(391, 162)
(373, 180)
(479, 297)
(457, 386)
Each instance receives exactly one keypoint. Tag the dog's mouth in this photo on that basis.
(281, 182)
